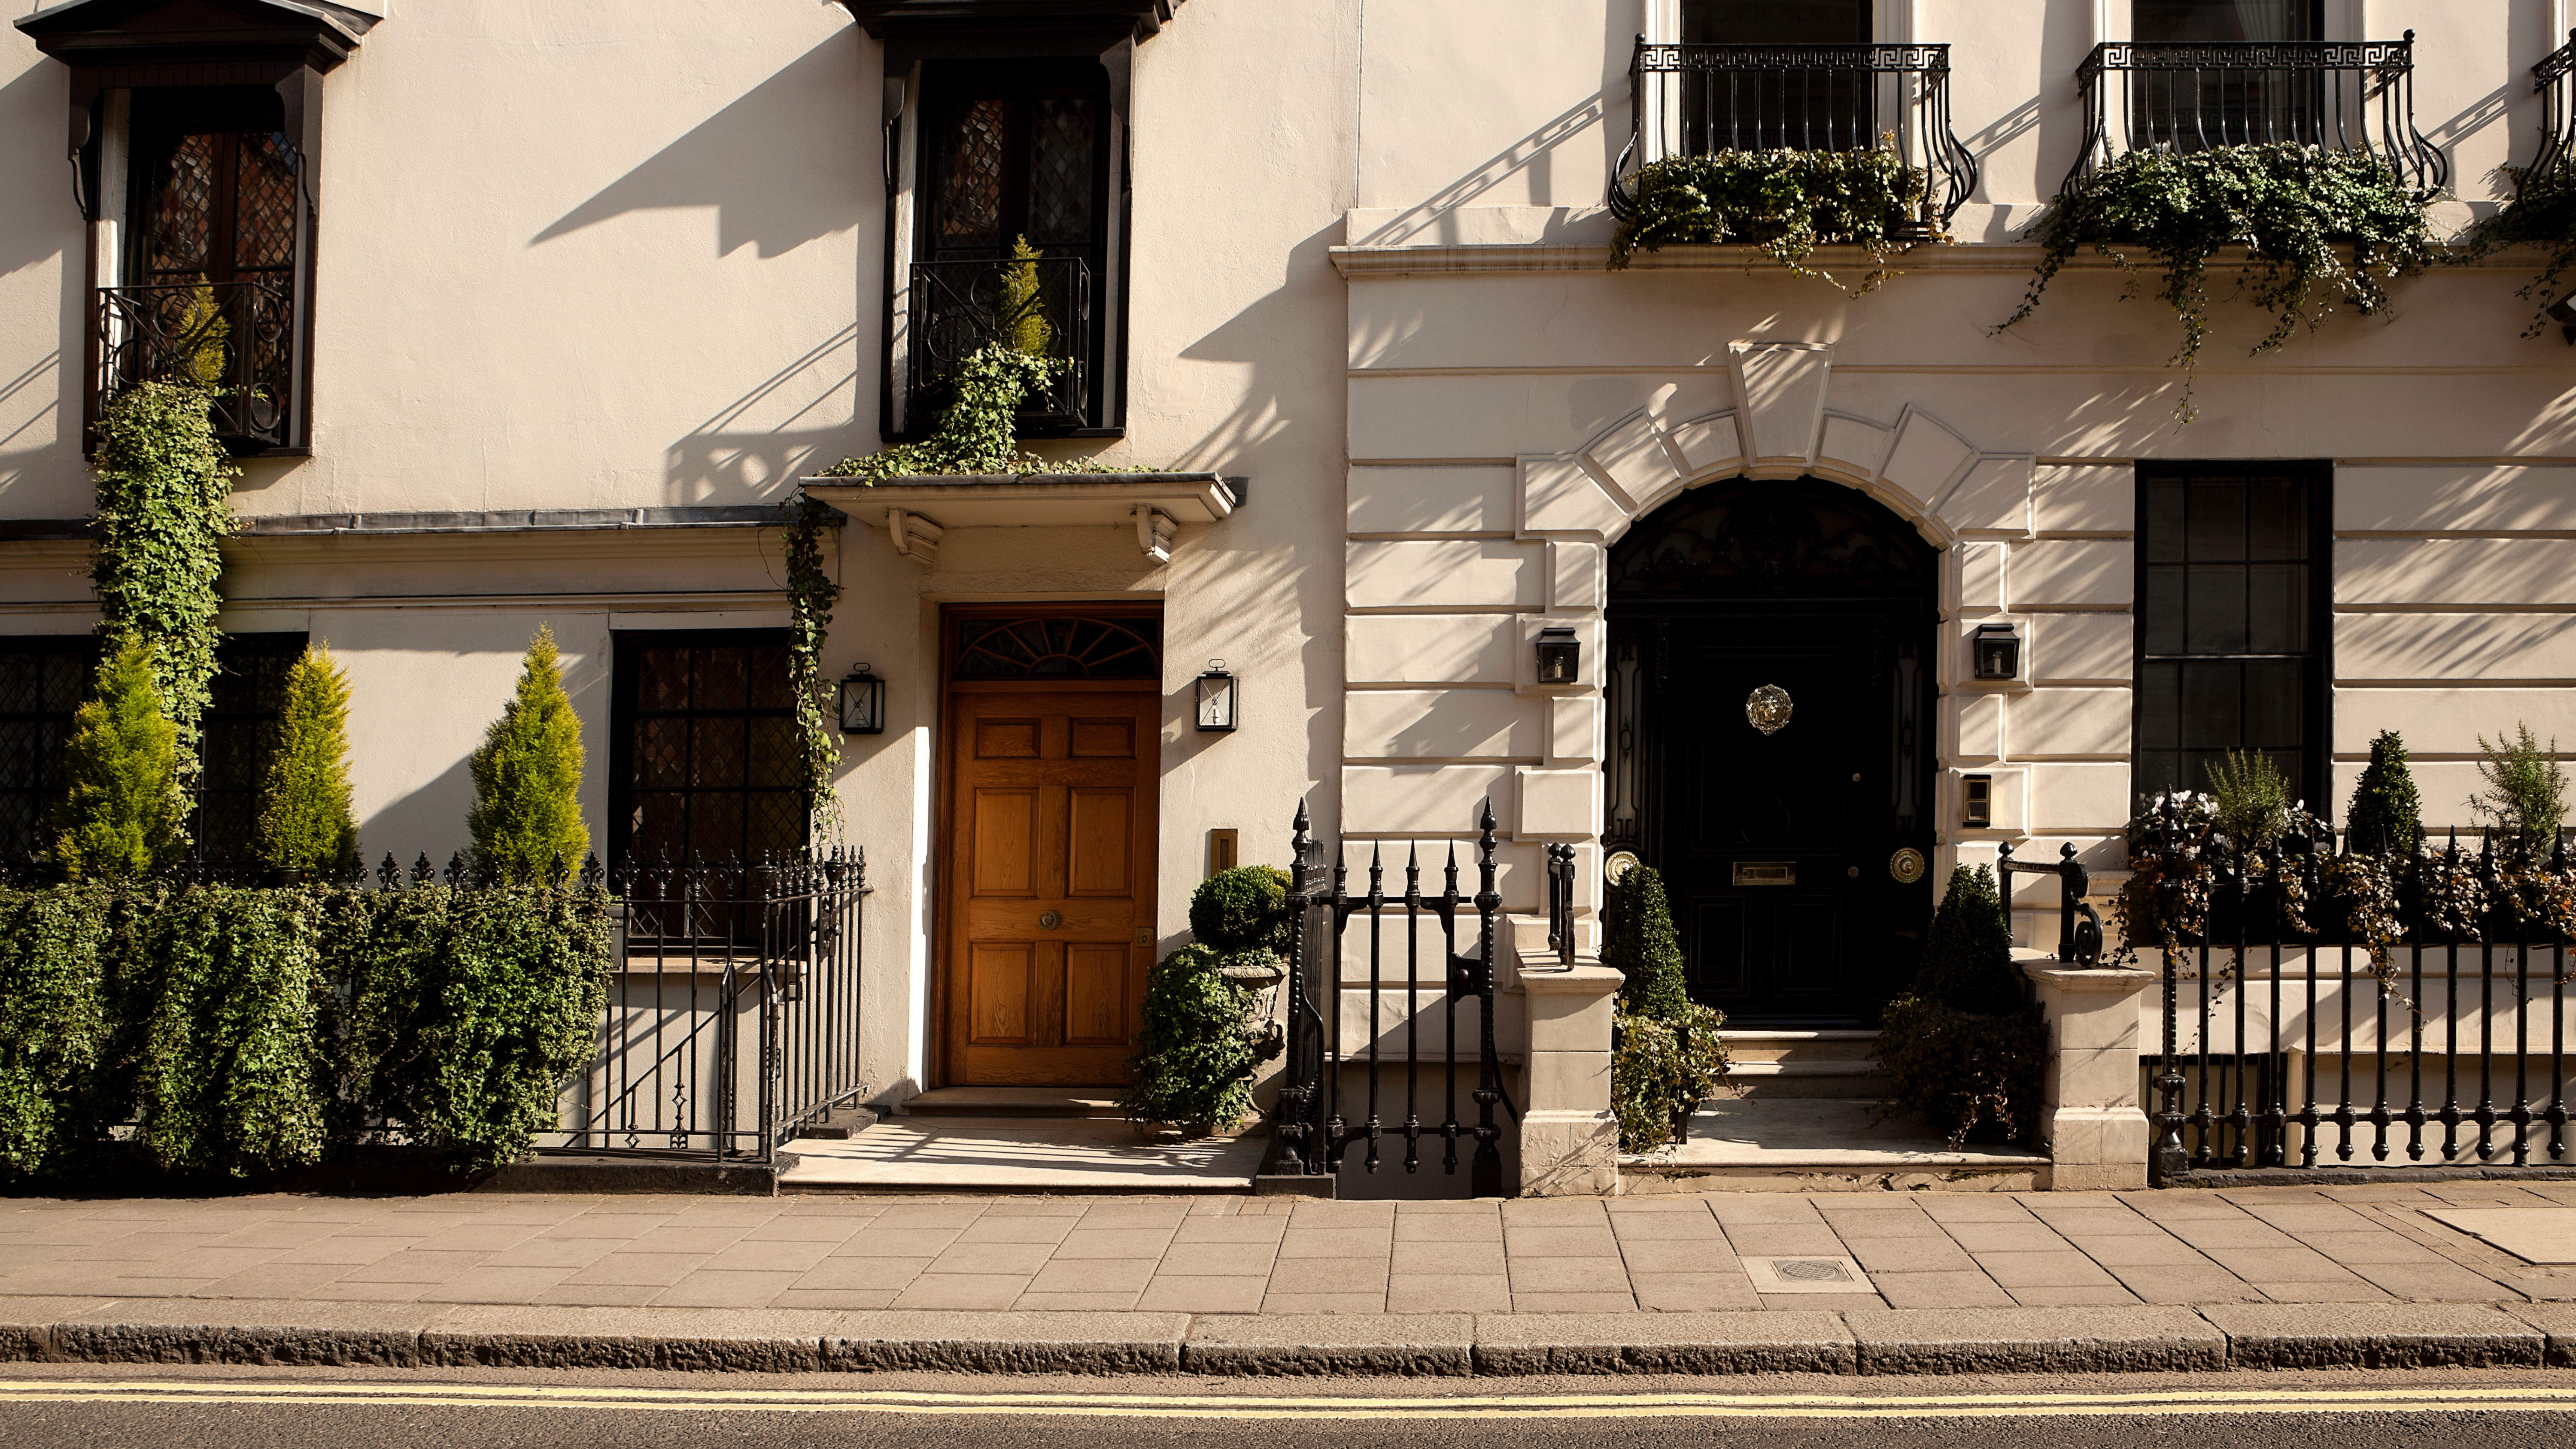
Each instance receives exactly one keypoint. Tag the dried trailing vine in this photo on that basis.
(164, 485)
(2297, 210)
(1787, 203)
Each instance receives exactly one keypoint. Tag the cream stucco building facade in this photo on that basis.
(589, 289)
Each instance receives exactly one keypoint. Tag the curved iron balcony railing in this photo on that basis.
(236, 339)
(1698, 100)
(2555, 79)
(2339, 95)
(958, 308)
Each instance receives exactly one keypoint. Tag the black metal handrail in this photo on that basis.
(238, 340)
(2079, 926)
(960, 308)
(1315, 1124)
(2555, 79)
(1699, 100)
(2355, 96)
(733, 1008)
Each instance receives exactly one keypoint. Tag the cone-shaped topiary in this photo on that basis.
(2386, 813)
(527, 777)
(1638, 941)
(1961, 1047)
(1242, 909)
(1967, 960)
(1666, 1057)
(304, 817)
(121, 814)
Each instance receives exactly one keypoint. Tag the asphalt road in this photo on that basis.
(180, 1408)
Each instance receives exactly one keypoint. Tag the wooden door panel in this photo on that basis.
(1096, 999)
(1001, 977)
(1004, 837)
(1099, 848)
(1006, 739)
(1048, 871)
(1103, 739)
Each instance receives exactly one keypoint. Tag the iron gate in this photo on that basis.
(1321, 1115)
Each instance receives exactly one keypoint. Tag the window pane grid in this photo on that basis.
(711, 764)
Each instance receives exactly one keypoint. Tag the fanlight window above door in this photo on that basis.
(1063, 647)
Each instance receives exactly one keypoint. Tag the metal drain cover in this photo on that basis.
(1810, 1270)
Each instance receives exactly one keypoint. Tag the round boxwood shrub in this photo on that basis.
(1242, 909)
(1194, 1059)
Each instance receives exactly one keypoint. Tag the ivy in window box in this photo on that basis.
(2320, 229)
(1787, 203)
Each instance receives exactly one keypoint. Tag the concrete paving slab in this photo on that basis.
(1106, 1343)
(2533, 1234)
(2369, 1335)
(1752, 1341)
(2035, 1340)
(731, 1340)
(1409, 1344)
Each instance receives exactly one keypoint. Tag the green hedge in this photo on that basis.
(238, 1030)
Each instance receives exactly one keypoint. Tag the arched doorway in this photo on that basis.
(1771, 692)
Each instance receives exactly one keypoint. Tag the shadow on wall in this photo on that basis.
(1531, 153)
(24, 403)
(429, 821)
(802, 419)
(774, 164)
(45, 222)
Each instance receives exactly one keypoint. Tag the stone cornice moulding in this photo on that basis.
(1965, 257)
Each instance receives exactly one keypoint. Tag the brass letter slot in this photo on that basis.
(1766, 872)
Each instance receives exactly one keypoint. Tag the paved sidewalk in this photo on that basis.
(2364, 1243)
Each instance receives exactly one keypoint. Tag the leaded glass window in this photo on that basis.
(707, 763)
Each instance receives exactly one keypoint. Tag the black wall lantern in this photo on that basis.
(1995, 651)
(1560, 655)
(1218, 699)
(862, 703)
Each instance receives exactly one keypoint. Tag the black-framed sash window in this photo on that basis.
(2232, 624)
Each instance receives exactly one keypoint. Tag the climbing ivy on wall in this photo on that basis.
(163, 486)
(2320, 229)
(811, 593)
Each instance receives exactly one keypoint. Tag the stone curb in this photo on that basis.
(1839, 1341)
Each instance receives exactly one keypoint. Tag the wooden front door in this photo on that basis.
(1049, 879)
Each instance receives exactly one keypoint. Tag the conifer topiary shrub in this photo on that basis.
(2386, 813)
(1960, 1047)
(1666, 1055)
(305, 822)
(526, 820)
(1200, 1039)
(121, 811)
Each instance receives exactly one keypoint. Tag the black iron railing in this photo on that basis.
(733, 1009)
(1042, 305)
(2297, 1035)
(1698, 100)
(238, 340)
(2555, 79)
(1321, 1113)
(2355, 96)
(1560, 904)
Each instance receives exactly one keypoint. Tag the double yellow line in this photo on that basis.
(1249, 1406)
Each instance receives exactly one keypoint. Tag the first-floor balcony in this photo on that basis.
(238, 340)
(1702, 100)
(2355, 96)
(1037, 305)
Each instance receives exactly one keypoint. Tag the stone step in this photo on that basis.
(1807, 1079)
(840, 1124)
(1799, 1046)
(1094, 1103)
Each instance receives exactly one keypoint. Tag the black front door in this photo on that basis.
(1771, 692)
